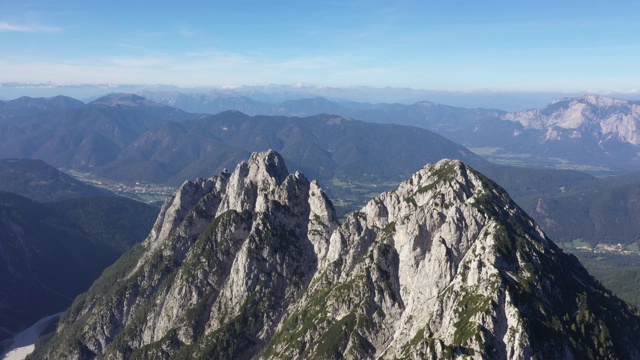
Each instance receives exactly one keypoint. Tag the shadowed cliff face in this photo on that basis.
(254, 264)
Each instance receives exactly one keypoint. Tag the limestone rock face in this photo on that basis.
(255, 264)
(587, 116)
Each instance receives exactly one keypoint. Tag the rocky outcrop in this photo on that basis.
(254, 264)
(588, 116)
(448, 265)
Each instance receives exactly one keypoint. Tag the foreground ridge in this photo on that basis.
(255, 264)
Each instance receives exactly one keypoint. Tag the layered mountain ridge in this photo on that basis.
(255, 264)
(594, 132)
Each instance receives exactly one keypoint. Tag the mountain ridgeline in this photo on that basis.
(40, 181)
(78, 136)
(592, 132)
(254, 264)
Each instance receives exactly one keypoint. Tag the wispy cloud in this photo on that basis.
(30, 28)
(127, 46)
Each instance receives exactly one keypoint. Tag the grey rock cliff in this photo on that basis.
(588, 116)
(255, 264)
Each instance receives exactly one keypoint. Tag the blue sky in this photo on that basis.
(439, 45)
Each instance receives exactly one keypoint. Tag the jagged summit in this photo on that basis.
(255, 264)
(266, 168)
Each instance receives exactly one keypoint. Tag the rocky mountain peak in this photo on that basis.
(264, 177)
(590, 116)
(254, 264)
(599, 100)
(268, 163)
(591, 99)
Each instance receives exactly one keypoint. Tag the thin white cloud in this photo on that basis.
(127, 46)
(31, 28)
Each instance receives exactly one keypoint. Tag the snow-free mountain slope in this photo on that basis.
(40, 181)
(254, 264)
(83, 137)
(28, 106)
(591, 115)
(50, 253)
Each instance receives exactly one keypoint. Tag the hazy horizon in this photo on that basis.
(276, 93)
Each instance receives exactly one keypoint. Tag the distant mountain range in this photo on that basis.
(590, 132)
(392, 113)
(274, 93)
(80, 136)
(27, 106)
